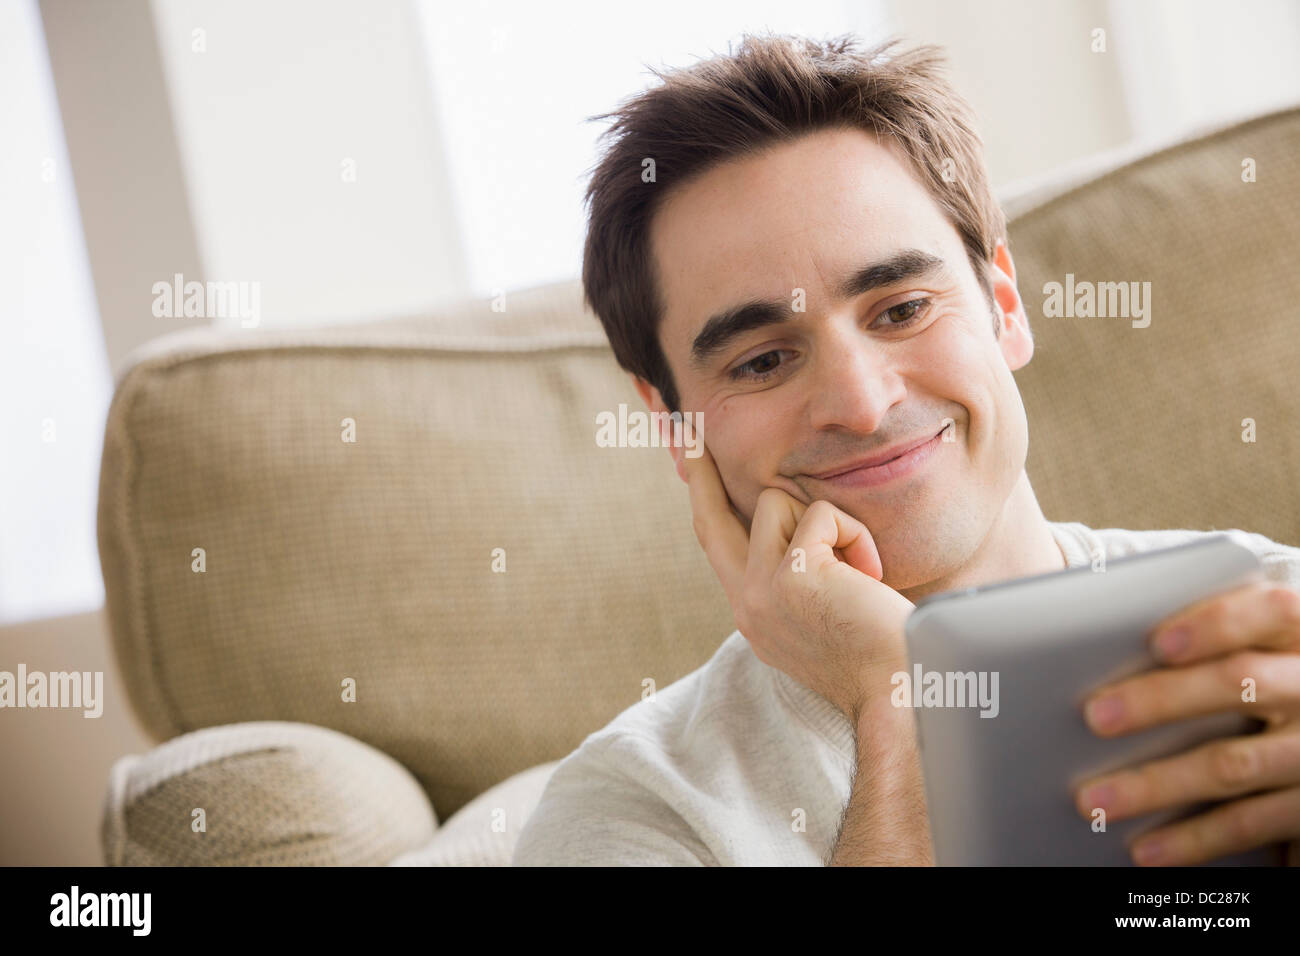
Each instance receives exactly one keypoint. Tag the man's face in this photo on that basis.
(865, 367)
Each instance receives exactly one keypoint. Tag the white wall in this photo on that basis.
(270, 100)
(57, 760)
(1187, 63)
(1042, 96)
(54, 377)
(1045, 99)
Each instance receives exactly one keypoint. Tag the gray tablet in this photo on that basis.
(998, 677)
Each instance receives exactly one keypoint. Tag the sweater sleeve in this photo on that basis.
(1281, 561)
(593, 813)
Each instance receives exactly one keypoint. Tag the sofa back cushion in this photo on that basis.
(373, 564)
(1143, 427)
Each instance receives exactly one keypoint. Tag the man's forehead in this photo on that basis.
(756, 228)
(839, 177)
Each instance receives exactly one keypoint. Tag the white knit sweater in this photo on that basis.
(737, 764)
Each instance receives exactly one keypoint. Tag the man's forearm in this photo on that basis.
(885, 823)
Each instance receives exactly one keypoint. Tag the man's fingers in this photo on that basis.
(825, 527)
(1218, 770)
(780, 522)
(719, 531)
(1255, 683)
(776, 516)
(1265, 615)
(1231, 828)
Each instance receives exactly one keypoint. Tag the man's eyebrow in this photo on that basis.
(727, 325)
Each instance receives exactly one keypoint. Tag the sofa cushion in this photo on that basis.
(1143, 427)
(263, 794)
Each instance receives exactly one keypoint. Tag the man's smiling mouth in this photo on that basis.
(893, 454)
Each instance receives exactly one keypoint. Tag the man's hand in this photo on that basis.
(804, 587)
(826, 621)
(1239, 652)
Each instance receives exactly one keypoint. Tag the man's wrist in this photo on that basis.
(876, 686)
(882, 721)
(889, 779)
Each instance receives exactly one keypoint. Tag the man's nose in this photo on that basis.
(854, 384)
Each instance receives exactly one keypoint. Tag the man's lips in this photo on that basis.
(881, 458)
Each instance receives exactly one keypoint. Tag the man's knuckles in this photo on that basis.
(820, 511)
(1233, 670)
(1234, 764)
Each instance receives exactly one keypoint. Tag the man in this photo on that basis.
(798, 243)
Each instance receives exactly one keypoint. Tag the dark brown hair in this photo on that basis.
(773, 89)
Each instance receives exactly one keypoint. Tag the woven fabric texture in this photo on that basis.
(1142, 427)
(263, 794)
(372, 562)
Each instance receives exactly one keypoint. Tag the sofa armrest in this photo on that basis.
(263, 793)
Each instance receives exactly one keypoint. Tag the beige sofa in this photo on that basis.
(321, 630)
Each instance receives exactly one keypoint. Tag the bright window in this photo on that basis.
(54, 379)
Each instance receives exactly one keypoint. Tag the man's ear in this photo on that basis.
(655, 402)
(1016, 340)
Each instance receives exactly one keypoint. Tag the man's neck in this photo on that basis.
(1019, 544)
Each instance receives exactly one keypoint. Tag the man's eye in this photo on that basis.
(764, 366)
(758, 368)
(907, 313)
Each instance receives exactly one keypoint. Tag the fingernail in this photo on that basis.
(1101, 795)
(1149, 851)
(1174, 642)
(1104, 713)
